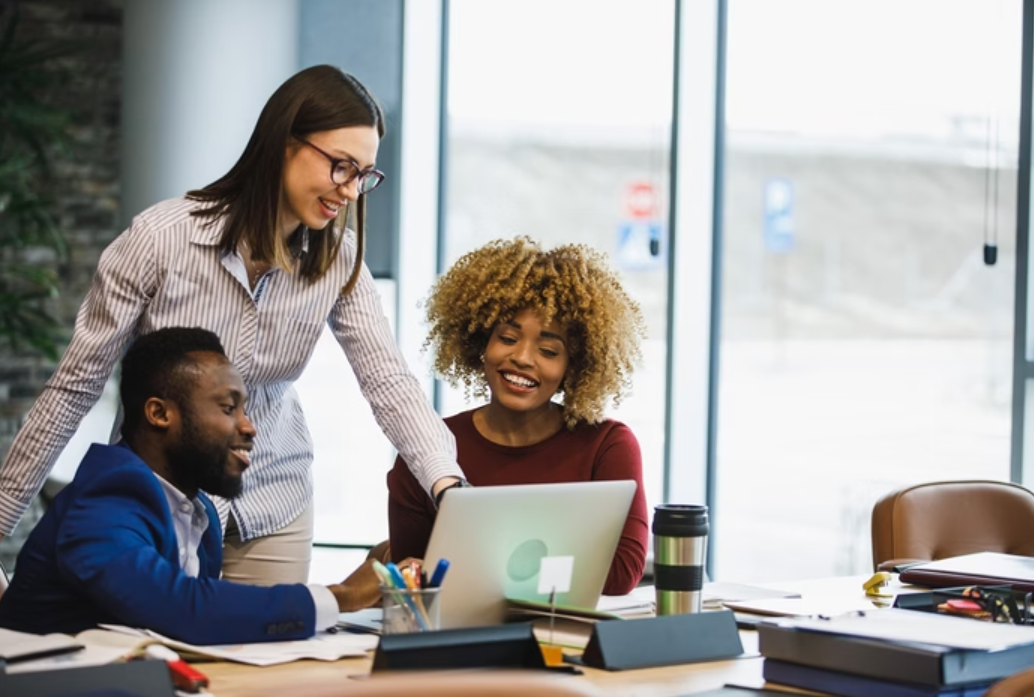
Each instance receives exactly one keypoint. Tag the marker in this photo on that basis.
(396, 576)
(383, 574)
(184, 676)
(400, 582)
(439, 574)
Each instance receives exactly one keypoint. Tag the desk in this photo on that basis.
(302, 677)
(236, 680)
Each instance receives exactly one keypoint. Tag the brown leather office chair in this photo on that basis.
(932, 521)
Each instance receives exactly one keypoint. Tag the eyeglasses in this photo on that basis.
(344, 170)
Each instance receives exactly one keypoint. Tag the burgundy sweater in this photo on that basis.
(605, 451)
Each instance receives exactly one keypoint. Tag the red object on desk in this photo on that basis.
(185, 677)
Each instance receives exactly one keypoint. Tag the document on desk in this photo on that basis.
(89, 656)
(20, 646)
(800, 607)
(639, 601)
(322, 647)
(715, 596)
(370, 620)
(892, 624)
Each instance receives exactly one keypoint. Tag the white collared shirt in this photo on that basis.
(190, 521)
(167, 270)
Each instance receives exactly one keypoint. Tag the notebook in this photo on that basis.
(20, 646)
(984, 568)
(495, 538)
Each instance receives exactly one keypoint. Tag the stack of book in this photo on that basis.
(893, 653)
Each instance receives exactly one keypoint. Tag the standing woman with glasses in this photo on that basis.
(262, 258)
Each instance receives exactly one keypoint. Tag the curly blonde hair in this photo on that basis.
(571, 284)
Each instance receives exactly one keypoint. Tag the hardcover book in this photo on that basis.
(849, 685)
(924, 664)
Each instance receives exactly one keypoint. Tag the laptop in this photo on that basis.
(495, 537)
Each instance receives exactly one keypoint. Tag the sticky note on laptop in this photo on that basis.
(555, 574)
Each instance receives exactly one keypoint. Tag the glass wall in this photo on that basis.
(870, 150)
(559, 121)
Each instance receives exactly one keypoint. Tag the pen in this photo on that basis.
(413, 584)
(439, 573)
(389, 583)
(400, 582)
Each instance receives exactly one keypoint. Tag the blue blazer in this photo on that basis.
(106, 552)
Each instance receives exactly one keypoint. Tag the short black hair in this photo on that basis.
(159, 365)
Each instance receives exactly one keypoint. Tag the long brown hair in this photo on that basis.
(320, 98)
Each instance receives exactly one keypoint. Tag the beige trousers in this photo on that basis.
(283, 557)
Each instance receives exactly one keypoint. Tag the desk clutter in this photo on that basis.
(893, 652)
(839, 643)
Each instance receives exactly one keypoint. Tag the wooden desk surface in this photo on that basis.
(301, 677)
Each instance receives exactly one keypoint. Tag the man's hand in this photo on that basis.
(362, 589)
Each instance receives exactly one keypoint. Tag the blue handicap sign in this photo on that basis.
(640, 245)
(778, 216)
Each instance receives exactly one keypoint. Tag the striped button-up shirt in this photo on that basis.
(167, 270)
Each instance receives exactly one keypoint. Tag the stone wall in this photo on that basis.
(87, 177)
(86, 186)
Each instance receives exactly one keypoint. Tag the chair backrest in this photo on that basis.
(947, 519)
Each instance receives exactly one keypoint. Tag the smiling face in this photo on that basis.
(525, 362)
(310, 196)
(211, 443)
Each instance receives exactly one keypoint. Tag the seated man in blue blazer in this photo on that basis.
(134, 541)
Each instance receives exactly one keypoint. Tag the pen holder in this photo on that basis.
(407, 611)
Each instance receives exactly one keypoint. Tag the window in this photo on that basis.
(559, 122)
(870, 148)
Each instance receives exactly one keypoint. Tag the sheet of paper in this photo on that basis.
(555, 574)
(368, 620)
(800, 607)
(718, 593)
(322, 647)
(87, 657)
(14, 644)
(640, 600)
(893, 624)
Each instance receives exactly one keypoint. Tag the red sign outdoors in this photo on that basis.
(641, 201)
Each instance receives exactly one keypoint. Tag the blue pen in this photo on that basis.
(439, 573)
(400, 582)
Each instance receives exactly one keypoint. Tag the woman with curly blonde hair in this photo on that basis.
(549, 337)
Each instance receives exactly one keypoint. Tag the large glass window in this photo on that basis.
(559, 121)
(870, 150)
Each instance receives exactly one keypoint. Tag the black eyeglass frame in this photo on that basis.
(347, 164)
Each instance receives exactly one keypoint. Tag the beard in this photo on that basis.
(204, 462)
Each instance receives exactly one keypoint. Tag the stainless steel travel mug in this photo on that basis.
(679, 551)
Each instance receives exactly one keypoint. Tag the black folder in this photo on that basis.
(133, 679)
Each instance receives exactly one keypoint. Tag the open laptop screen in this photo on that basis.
(495, 538)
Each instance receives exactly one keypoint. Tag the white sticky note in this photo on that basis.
(555, 574)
